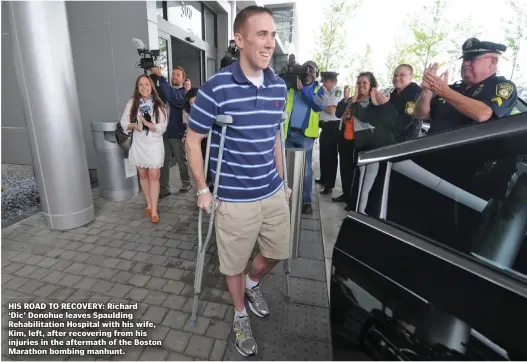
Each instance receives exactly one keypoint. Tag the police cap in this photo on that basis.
(473, 48)
(329, 75)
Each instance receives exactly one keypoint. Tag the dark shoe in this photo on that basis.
(326, 190)
(164, 194)
(184, 189)
(307, 209)
(341, 198)
(319, 181)
(347, 208)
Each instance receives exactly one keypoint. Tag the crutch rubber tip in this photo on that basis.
(193, 323)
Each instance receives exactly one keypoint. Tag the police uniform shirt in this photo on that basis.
(331, 98)
(496, 92)
(405, 101)
(405, 104)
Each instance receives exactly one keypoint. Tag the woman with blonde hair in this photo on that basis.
(145, 116)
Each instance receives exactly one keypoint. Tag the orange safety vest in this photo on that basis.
(348, 118)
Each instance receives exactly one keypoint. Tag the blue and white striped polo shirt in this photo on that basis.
(248, 171)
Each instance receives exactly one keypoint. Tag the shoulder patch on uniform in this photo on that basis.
(410, 108)
(504, 90)
(497, 100)
(338, 92)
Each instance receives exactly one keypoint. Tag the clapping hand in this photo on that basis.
(346, 93)
(378, 98)
(355, 95)
(434, 83)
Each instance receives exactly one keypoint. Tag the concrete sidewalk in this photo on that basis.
(331, 213)
(123, 257)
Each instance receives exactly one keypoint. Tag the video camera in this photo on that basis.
(149, 56)
(299, 71)
(231, 55)
(233, 51)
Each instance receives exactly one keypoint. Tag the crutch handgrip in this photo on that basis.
(223, 119)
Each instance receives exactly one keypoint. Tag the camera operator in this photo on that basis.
(303, 104)
(173, 138)
(289, 67)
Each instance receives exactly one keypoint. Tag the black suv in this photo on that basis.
(432, 265)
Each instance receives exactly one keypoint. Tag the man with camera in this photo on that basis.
(173, 137)
(289, 67)
(303, 104)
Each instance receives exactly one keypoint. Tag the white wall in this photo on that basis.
(104, 58)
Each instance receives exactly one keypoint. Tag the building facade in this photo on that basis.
(191, 34)
(285, 16)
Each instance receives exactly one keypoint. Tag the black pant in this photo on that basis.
(347, 165)
(329, 139)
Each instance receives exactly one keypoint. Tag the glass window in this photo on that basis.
(471, 198)
(283, 19)
(279, 61)
(210, 26)
(211, 67)
(159, 9)
(162, 60)
(186, 15)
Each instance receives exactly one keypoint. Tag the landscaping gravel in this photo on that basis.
(20, 192)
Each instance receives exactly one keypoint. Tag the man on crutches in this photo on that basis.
(252, 204)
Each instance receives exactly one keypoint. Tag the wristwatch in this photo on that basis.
(203, 191)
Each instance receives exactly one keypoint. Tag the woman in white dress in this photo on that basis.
(145, 116)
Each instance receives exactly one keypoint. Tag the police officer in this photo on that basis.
(481, 96)
(403, 97)
(329, 123)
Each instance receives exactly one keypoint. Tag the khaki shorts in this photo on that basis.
(240, 224)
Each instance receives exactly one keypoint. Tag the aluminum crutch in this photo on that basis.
(287, 262)
(223, 121)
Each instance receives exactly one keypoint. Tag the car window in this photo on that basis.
(520, 107)
(472, 200)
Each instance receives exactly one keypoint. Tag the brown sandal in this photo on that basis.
(155, 219)
(148, 212)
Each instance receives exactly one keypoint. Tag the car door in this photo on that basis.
(433, 263)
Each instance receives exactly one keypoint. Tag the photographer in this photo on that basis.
(289, 67)
(173, 139)
(303, 104)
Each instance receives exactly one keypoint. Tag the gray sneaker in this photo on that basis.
(256, 302)
(245, 343)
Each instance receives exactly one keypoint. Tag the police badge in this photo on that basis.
(410, 108)
(338, 92)
(504, 90)
(477, 91)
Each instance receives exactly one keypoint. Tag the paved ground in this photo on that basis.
(331, 214)
(122, 257)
